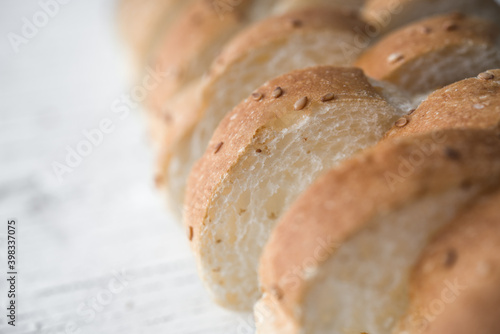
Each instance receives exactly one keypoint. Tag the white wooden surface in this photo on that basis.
(103, 218)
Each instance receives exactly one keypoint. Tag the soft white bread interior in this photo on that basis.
(263, 155)
(455, 287)
(263, 51)
(434, 52)
(470, 103)
(388, 15)
(340, 258)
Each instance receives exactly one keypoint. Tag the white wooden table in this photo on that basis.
(97, 252)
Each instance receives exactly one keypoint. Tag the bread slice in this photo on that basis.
(470, 103)
(387, 15)
(263, 51)
(142, 22)
(443, 49)
(339, 260)
(193, 41)
(455, 287)
(262, 155)
(283, 6)
(208, 28)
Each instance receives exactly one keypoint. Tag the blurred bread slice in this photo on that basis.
(262, 156)
(387, 15)
(340, 258)
(470, 103)
(283, 6)
(434, 52)
(455, 287)
(143, 22)
(263, 51)
(191, 44)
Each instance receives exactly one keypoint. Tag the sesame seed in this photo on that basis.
(258, 150)
(401, 122)
(301, 103)
(167, 118)
(424, 30)
(190, 233)
(296, 23)
(450, 258)
(277, 92)
(478, 106)
(327, 97)
(450, 25)
(395, 57)
(452, 154)
(218, 147)
(486, 76)
(276, 292)
(257, 96)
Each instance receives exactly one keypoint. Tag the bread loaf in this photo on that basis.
(434, 52)
(455, 287)
(261, 157)
(471, 103)
(367, 247)
(261, 52)
(339, 260)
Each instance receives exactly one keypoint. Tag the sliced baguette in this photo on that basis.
(455, 287)
(339, 260)
(262, 155)
(388, 15)
(434, 52)
(263, 51)
(470, 103)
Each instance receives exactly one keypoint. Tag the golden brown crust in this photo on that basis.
(388, 59)
(347, 198)
(375, 6)
(470, 103)
(275, 29)
(464, 255)
(391, 14)
(240, 126)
